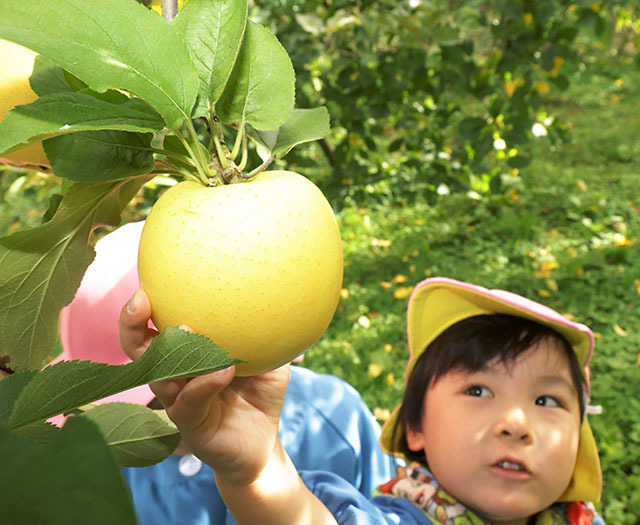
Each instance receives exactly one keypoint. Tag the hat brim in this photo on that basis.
(438, 303)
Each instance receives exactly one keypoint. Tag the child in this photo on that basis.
(494, 414)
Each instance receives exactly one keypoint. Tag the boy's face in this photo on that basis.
(503, 440)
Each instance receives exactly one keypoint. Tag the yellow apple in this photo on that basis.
(255, 266)
(16, 66)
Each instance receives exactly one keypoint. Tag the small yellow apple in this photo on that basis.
(16, 66)
(255, 266)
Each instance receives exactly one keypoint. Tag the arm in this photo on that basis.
(232, 425)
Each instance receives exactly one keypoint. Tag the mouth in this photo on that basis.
(512, 466)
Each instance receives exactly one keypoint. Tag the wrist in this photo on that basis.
(276, 495)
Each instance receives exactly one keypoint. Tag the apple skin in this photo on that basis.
(16, 65)
(255, 266)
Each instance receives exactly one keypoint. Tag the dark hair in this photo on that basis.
(470, 345)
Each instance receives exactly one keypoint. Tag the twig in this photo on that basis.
(169, 9)
(258, 170)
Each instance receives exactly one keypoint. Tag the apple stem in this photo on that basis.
(202, 176)
(245, 152)
(258, 170)
(173, 156)
(218, 145)
(239, 138)
(217, 137)
(169, 9)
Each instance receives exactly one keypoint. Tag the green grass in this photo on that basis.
(566, 232)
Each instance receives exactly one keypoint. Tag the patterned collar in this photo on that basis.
(417, 484)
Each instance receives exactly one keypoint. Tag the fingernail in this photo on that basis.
(133, 303)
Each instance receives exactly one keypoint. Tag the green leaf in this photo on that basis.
(41, 268)
(213, 32)
(303, 125)
(10, 388)
(111, 44)
(41, 432)
(261, 89)
(61, 113)
(112, 155)
(73, 479)
(137, 435)
(54, 203)
(71, 384)
(47, 78)
(519, 161)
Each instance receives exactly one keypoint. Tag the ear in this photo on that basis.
(415, 439)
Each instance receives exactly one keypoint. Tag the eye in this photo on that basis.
(548, 401)
(478, 391)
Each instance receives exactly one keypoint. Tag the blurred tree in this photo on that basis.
(429, 97)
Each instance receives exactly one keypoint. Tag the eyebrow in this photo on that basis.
(546, 380)
(557, 380)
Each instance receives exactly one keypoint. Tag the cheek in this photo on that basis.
(561, 450)
(447, 441)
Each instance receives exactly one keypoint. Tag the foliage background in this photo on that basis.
(494, 142)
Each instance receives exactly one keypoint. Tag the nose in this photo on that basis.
(513, 423)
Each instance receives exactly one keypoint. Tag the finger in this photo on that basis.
(167, 391)
(134, 332)
(193, 405)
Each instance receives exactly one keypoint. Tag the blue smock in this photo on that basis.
(324, 425)
(350, 507)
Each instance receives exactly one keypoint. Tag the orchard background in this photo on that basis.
(489, 141)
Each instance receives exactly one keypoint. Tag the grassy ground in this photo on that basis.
(566, 232)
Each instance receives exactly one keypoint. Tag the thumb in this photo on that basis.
(133, 327)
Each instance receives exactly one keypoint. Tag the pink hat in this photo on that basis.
(89, 324)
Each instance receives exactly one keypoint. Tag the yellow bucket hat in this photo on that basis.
(438, 303)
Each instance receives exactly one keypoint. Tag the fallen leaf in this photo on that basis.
(620, 331)
(374, 370)
(382, 414)
(390, 379)
(403, 292)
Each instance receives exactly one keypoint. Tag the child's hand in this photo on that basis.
(230, 423)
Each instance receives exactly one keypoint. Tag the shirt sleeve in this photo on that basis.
(350, 507)
(325, 425)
